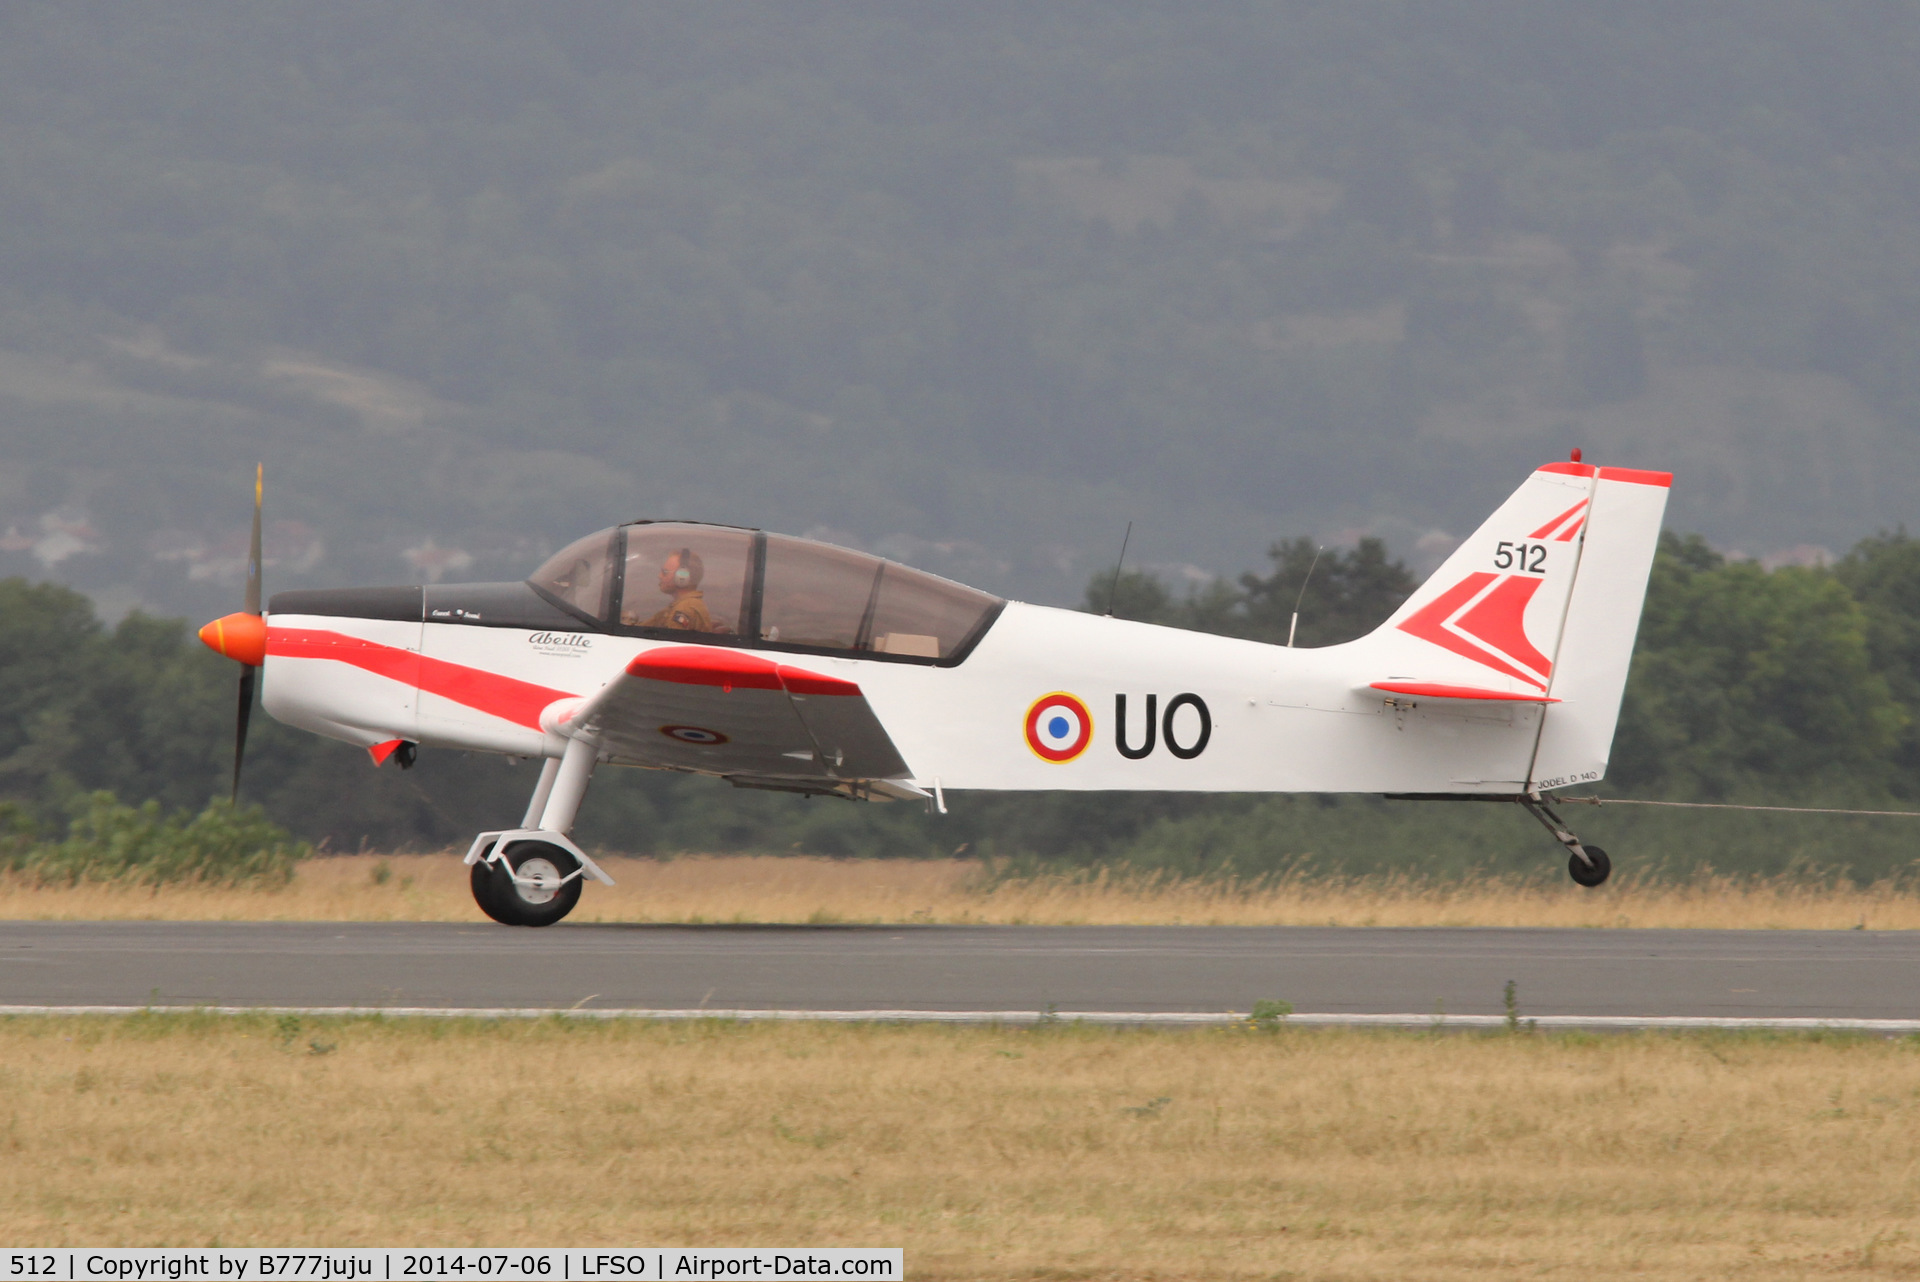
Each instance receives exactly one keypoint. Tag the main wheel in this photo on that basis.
(545, 892)
(1593, 875)
(485, 879)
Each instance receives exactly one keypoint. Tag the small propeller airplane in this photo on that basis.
(783, 663)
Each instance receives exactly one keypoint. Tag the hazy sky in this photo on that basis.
(969, 285)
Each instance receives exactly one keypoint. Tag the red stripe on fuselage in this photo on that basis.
(498, 696)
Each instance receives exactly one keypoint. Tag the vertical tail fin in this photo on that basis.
(1541, 603)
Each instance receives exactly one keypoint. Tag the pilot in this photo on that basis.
(680, 576)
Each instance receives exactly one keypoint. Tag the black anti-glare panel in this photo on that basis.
(500, 605)
(401, 604)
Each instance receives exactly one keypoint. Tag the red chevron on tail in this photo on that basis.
(1483, 617)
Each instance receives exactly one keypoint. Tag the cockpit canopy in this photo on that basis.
(685, 580)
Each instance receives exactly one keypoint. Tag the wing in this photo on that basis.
(742, 716)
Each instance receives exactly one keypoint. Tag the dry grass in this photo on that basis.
(1052, 1152)
(795, 889)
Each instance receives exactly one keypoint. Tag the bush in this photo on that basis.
(222, 845)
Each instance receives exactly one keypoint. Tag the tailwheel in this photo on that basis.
(1589, 871)
(541, 888)
(1590, 874)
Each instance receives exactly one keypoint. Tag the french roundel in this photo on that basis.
(1058, 727)
(693, 734)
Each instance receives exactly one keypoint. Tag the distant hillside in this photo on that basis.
(971, 285)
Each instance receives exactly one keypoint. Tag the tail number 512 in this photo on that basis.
(1527, 558)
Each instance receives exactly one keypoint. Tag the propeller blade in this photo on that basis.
(247, 676)
(253, 548)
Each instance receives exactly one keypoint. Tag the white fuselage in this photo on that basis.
(1275, 719)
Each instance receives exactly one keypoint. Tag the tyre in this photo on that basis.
(1601, 869)
(546, 892)
(485, 879)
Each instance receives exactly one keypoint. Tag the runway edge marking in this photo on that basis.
(1114, 1018)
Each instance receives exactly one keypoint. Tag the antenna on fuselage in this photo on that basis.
(1295, 625)
(1114, 591)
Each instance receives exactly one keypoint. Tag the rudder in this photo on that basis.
(1602, 619)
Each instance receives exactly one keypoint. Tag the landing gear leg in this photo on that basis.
(1587, 865)
(531, 876)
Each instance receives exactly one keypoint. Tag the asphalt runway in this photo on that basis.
(1166, 969)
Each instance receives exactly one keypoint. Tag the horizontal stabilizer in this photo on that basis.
(1438, 690)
